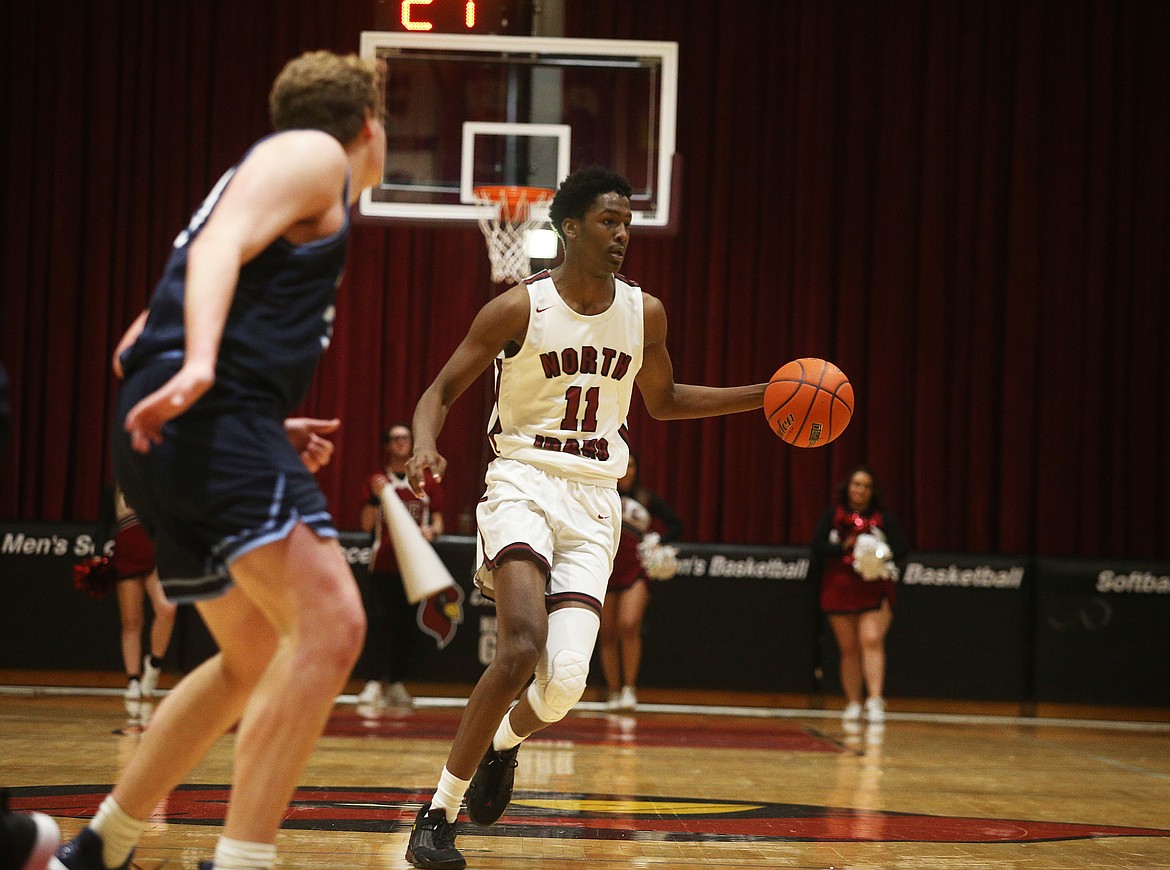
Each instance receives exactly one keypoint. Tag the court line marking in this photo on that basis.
(705, 710)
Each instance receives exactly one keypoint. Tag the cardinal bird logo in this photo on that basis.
(440, 615)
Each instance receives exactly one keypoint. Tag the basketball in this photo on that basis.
(808, 402)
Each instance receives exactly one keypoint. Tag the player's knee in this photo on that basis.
(352, 635)
(337, 637)
(519, 646)
(516, 658)
(568, 672)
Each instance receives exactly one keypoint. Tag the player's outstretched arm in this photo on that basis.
(666, 400)
(290, 185)
(502, 321)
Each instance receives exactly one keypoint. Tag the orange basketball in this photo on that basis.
(808, 402)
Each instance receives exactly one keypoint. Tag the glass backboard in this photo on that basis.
(466, 111)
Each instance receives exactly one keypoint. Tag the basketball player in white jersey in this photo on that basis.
(568, 347)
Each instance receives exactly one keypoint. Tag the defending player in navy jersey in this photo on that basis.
(568, 347)
(222, 480)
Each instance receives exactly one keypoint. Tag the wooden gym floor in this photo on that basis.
(669, 786)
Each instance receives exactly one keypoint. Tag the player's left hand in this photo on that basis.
(305, 434)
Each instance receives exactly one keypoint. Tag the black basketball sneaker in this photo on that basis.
(491, 788)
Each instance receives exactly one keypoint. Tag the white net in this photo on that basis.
(506, 232)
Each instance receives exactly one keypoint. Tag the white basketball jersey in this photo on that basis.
(563, 399)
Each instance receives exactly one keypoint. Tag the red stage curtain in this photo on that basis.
(963, 204)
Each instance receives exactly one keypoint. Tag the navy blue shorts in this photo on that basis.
(225, 481)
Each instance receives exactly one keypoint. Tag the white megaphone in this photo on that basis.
(423, 572)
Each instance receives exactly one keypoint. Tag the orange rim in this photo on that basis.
(514, 200)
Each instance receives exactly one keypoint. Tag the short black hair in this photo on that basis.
(578, 191)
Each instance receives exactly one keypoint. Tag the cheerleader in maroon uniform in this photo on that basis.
(133, 560)
(391, 633)
(628, 593)
(857, 591)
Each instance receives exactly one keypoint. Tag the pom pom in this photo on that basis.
(872, 557)
(659, 561)
(95, 576)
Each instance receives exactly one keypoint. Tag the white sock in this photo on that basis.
(449, 794)
(241, 855)
(118, 831)
(505, 737)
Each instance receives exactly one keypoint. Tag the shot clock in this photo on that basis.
(453, 16)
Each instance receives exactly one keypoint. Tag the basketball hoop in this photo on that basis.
(506, 233)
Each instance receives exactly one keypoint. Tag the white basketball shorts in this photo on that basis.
(572, 527)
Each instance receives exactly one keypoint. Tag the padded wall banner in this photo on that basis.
(726, 604)
(734, 617)
(46, 624)
(737, 618)
(962, 628)
(1103, 631)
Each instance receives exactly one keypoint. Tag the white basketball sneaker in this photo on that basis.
(150, 675)
(132, 697)
(398, 696)
(875, 711)
(852, 712)
(371, 695)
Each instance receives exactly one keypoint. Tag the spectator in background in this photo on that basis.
(857, 542)
(628, 593)
(133, 560)
(390, 615)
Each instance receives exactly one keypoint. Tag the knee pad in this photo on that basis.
(554, 696)
(560, 680)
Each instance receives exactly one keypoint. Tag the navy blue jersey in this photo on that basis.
(281, 316)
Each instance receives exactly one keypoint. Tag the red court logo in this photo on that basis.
(552, 815)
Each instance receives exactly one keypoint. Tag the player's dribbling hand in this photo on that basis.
(418, 463)
(305, 435)
(145, 421)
